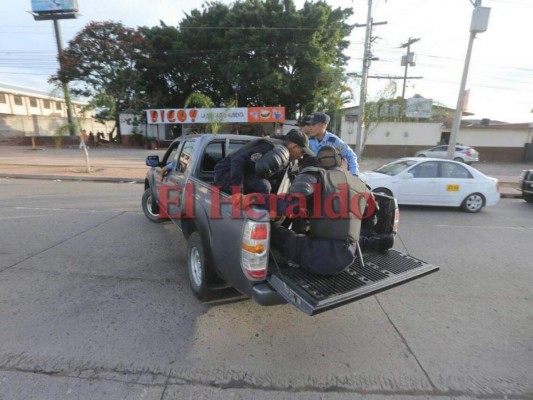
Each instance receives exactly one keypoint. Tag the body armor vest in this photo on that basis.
(338, 209)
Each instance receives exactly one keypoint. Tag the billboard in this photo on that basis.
(51, 6)
(418, 107)
(210, 115)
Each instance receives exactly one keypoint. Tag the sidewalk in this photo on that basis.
(128, 165)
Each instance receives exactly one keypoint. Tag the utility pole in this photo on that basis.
(407, 60)
(367, 58)
(479, 23)
(45, 11)
(64, 85)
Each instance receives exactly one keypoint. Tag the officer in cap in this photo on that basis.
(321, 137)
(251, 168)
(305, 125)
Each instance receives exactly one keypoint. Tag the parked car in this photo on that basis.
(464, 154)
(527, 185)
(434, 182)
(227, 249)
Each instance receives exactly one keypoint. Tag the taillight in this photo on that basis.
(254, 250)
(469, 153)
(396, 217)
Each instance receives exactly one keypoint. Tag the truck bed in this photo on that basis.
(314, 294)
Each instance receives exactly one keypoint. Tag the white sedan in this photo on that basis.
(434, 182)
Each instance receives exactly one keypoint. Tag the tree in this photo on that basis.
(104, 58)
(263, 52)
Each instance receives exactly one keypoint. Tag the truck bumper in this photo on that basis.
(264, 295)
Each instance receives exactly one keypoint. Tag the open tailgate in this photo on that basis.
(314, 294)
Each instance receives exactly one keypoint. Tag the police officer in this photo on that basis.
(305, 125)
(331, 245)
(249, 169)
(321, 137)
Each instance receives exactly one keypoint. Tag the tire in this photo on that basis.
(383, 191)
(151, 211)
(473, 203)
(528, 197)
(421, 155)
(198, 267)
(459, 159)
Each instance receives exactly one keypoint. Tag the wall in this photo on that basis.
(405, 134)
(37, 125)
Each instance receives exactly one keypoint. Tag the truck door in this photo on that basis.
(173, 185)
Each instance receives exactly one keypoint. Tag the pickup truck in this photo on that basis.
(228, 250)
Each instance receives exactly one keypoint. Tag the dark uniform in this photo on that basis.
(331, 245)
(250, 166)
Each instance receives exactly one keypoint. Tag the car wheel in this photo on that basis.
(197, 267)
(384, 191)
(473, 203)
(458, 159)
(528, 197)
(421, 155)
(151, 210)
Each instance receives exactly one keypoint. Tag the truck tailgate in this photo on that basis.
(314, 294)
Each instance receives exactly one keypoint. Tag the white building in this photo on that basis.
(26, 112)
(495, 141)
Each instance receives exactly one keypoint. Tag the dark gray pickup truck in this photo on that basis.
(228, 249)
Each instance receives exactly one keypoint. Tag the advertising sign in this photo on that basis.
(418, 107)
(211, 115)
(47, 6)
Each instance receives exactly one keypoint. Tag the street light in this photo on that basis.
(479, 23)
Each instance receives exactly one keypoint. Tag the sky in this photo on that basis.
(500, 77)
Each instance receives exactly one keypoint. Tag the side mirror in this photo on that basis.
(152, 161)
(407, 175)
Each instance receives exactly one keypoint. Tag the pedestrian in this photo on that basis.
(257, 164)
(83, 139)
(321, 137)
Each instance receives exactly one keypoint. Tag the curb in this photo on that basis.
(110, 179)
(517, 195)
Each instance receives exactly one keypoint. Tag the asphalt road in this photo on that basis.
(94, 304)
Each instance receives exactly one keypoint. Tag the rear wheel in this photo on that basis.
(197, 267)
(528, 197)
(421, 155)
(458, 159)
(151, 210)
(473, 203)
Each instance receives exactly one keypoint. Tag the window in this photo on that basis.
(440, 148)
(425, 170)
(46, 104)
(213, 153)
(233, 147)
(33, 102)
(59, 106)
(394, 168)
(2, 98)
(185, 157)
(17, 100)
(450, 170)
(172, 154)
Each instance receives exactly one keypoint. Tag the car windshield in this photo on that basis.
(395, 168)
